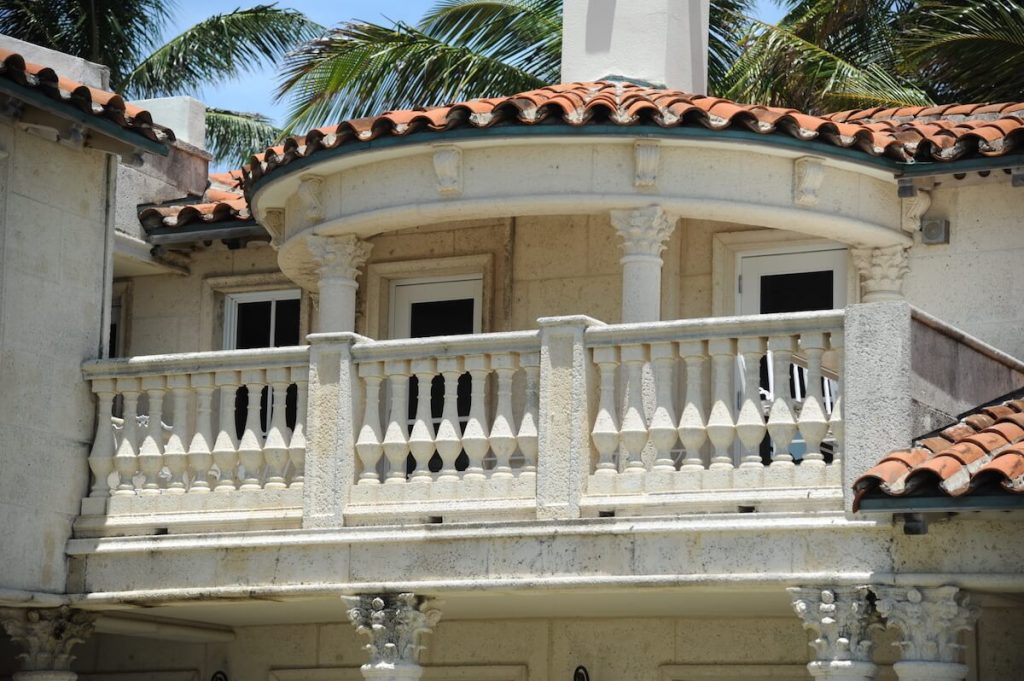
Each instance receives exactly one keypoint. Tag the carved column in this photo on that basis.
(645, 233)
(46, 636)
(881, 272)
(930, 621)
(394, 624)
(841, 619)
(338, 260)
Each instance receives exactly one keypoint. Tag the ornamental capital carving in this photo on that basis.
(394, 623)
(46, 635)
(311, 199)
(339, 256)
(881, 272)
(644, 231)
(840, 617)
(929, 620)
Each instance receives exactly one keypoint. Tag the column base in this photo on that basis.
(843, 670)
(930, 671)
(389, 672)
(44, 676)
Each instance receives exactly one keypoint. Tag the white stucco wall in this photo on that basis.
(53, 243)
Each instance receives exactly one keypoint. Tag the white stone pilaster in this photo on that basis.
(881, 272)
(394, 624)
(46, 637)
(338, 259)
(841, 619)
(930, 621)
(645, 233)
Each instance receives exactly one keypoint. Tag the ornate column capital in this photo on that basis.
(644, 231)
(881, 272)
(339, 257)
(46, 636)
(394, 624)
(930, 621)
(842, 619)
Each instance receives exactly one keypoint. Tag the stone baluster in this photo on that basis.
(606, 427)
(813, 422)
(721, 426)
(275, 449)
(474, 438)
(841, 619)
(297, 442)
(663, 431)
(781, 424)
(527, 435)
(396, 435)
(368, 444)
(503, 436)
(199, 458)
(750, 425)
(151, 451)
(929, 621)
(47, 636)
(101, 456)
(250, 446)
(395, 625)
(449, 436)
(421, 437)
(836, 418)
(175, 455)
(692, 424)
(225, 447)
(633, 432)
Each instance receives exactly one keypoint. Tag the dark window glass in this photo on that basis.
(253, 325)
(797, 292)
(441, 318)
(286, 323)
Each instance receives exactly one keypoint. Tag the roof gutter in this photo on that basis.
(205, 232)
(942, 504)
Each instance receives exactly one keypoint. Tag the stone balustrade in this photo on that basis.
(216, 431)
(715, 404)
(577, 419)
(447, 419)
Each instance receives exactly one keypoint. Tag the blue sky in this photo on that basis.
(254, 92)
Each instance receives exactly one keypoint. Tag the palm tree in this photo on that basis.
(461, 49)
(124, 35)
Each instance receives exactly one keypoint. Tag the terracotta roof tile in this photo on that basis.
(95, 102)
(907, 134)
(984, 450)
(222, 202)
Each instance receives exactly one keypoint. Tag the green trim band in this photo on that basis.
(943, 504)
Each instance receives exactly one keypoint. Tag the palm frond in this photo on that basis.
(232, 136)
(970, 51)
(219, 48)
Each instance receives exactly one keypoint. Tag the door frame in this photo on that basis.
(232, 300)
(403, 293)
(840, 263)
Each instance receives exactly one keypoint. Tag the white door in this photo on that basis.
(813, 279)
(436, 306)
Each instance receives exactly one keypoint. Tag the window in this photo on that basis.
(436, 306)
(261, 319)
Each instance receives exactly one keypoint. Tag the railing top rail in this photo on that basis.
(447, 346)
(716, 327)
(193, 362)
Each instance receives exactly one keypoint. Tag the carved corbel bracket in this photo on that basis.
(311, 197)
(448, 169)
(646, 163)
(273, 222)
(914, 209)
(808, 173)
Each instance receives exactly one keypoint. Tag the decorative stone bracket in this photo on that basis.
(394, 623)
(46, 636)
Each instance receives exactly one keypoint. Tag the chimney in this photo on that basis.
(660, 42)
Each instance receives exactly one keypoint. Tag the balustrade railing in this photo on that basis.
(173, 429)
(717, 403)
(447, 418)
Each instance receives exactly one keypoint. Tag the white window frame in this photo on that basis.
(403, 293)
(753, 264)
(232, 300)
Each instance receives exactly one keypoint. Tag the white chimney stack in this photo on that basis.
(662, 42)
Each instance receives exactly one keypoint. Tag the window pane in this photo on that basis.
(797, 292)
(286, 323)
(441, 318)
(253, 330)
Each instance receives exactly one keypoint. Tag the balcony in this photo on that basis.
(575, 420)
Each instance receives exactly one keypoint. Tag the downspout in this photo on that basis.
(109, 219)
